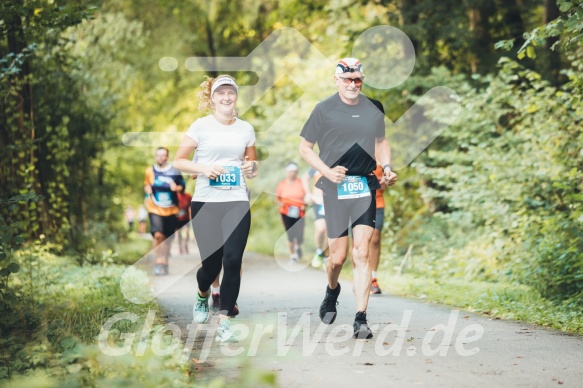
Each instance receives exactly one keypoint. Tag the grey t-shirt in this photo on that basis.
(345, 135)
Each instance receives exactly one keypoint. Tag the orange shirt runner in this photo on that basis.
(291, 194)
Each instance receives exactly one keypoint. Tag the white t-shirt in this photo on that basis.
(222, 145)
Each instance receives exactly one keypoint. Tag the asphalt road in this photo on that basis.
(415, 343)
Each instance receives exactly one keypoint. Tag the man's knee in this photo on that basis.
(360, 252)
(337, 259)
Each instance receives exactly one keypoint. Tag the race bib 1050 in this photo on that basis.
(353, 187)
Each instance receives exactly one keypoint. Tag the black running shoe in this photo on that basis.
(328, 306)
(361, 329)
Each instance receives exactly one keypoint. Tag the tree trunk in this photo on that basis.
(482, 47)
(551, 12)
(408, 16)
(21, 133)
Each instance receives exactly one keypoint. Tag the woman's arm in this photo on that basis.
(183, 163)
(250, 164)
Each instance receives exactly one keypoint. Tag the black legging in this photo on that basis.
(221, 230)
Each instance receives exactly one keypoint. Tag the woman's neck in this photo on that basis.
(223, 118)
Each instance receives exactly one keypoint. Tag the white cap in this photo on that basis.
(291, 167)
(224, 81)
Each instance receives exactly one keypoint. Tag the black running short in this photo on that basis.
(295, 233)
(163, 224)
(340, 213)
(181, 224)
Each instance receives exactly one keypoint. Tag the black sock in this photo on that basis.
(335, 291)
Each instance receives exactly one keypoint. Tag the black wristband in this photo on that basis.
(387, 165)
(255, 166)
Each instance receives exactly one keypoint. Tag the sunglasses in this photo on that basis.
(347, 80)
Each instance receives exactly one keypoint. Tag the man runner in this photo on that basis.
(349, 130)
(161, 184)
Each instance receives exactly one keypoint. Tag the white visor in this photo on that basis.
(224, 81)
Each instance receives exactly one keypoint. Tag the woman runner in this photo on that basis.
(225, 149)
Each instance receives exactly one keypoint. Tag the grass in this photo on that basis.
(132, 250)
(499, 300)
(62, 307)
(52, 337)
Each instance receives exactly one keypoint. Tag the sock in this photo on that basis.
(216, 289)
(335, 291)
(318, 251)
(374, 274)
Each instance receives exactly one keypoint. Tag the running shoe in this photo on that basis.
(216, 302)
(328, 306)
(235, 311)
(201, 309)
(361, 329)
(374, 287)
(224, 333)
(316, 261)
(293, 258)
(158, 269)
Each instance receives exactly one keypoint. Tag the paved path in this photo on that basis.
(480, 351)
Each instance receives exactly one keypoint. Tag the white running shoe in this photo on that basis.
(201, 311)
(224, 333)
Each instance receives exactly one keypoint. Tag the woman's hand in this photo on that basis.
(212, 172)
(249, 168)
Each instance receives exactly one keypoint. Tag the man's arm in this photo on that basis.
(335, 175)
(383, 154)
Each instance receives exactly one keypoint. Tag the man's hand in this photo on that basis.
(212, 172)
(148, 189)
(389, 177)
(173, 186)
(336, 174)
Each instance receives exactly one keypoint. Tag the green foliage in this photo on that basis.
(10, 241)
(511, 168)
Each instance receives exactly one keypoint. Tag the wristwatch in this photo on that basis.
(387, 165)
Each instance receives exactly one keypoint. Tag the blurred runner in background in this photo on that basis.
(290, 196)
(183, 218)
(315, 197)
(161, 184)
